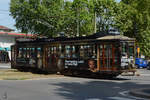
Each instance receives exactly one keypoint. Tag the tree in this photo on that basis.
(106, 11)
(78, 18)
(37, 16)
(139, 21)
(50, 17)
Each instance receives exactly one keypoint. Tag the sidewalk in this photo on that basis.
(5, 65)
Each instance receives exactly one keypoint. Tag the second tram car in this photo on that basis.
(106, 55)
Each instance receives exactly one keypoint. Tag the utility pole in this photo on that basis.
(94, 21)
(78, 27)
(95, 28)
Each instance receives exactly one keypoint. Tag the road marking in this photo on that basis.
(145, 74)
(126, 94)
(93, 99)
(120, 98)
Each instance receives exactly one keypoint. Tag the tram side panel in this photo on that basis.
(93, 57)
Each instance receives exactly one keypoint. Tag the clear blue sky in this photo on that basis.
(5, 19)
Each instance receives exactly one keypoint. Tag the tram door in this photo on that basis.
(108, 52)
(13, 56)
(51, 57)
(105, 57)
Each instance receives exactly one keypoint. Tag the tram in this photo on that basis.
(101, 54)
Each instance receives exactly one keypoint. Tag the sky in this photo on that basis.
(5, 18)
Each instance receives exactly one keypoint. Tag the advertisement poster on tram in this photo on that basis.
(82, 64)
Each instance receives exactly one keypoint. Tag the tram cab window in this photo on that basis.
(124, 50)
(117, 54)
(131, 49)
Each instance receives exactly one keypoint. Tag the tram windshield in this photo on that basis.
(127, 50)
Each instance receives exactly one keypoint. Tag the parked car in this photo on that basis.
(141, 63)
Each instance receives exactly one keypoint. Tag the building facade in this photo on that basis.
(8, 38)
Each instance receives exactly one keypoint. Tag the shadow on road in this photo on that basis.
(94, 89)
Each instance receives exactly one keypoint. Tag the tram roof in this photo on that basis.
(115, 37)
(96, 36)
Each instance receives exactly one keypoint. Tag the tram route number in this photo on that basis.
(73, 62)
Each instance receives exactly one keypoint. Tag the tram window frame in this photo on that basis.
(39, 52)
(131, 51)
(124, 49)
(80, 51)
(27, 52)
(32, 52)
(22, 53)
(67, 51)
(117, 54)
(87, 51)
(18, 53)
(62, 51)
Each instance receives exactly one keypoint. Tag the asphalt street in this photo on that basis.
(73, 88)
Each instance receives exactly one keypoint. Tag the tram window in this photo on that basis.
(73, 52)
(39, 53)
(62, 51)
(24, 52)
(81, 51)
(48, 52)
(117, 54)
(20, 53)
(101, 50)
(131, 51)
(28, 52)
(32, 52)
(124, 49)
(67, 53)
(108, 51)
(55, 50)
(87, 51)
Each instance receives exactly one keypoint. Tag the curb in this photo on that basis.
(143, 93)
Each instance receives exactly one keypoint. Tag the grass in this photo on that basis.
(14, 74)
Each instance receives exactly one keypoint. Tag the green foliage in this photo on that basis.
(37, 16)
(105, 11)
(138, 20)
(77, 17)
(50, 17)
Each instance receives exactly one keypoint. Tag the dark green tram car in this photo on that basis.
(105, 55)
